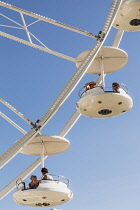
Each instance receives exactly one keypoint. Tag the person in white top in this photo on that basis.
(45, 175)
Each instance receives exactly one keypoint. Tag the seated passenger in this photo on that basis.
(45, 175)
(34, 183)
(115, 87)
(90, 85)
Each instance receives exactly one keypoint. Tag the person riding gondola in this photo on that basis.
(90, 85)
(34, 183)
(115, 87)
(45, 175)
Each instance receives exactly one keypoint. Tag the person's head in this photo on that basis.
(33, 177)
(44, 170)
(115, 85)
(90, 85)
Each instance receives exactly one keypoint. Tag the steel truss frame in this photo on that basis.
(67, 90)
(25, 27)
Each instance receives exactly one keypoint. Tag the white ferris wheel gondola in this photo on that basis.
(49, 192)
(98, 103)
(128, 16)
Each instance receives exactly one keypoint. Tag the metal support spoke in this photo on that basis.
(71, 122)
(42, 155)
(118, 38)
(16, 111)
(116, 43)
(38, 40)
(11, 27)
(102, 72)
(13, 123)
(25, 27)
(11, 20)
(33, 23)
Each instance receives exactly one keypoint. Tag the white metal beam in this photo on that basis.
(102, 72)
(70, 124)
(33, 23)
(38, 40)
(118, 38)
(25, 27)
(11, 27)
(37, 46)
(16, 111)
(13, 123)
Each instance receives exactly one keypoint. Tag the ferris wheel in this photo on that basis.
(95, 100)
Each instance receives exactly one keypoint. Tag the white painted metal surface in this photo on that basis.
(48, 193)
(118, 38)
(128, 16)
(26, 28)
(42, 154)
(70, 124)
(13, 123)
(52, 145)
(98, 103)
(102, 72)
(113, 59)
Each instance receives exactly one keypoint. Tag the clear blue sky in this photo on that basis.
(102, 163)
